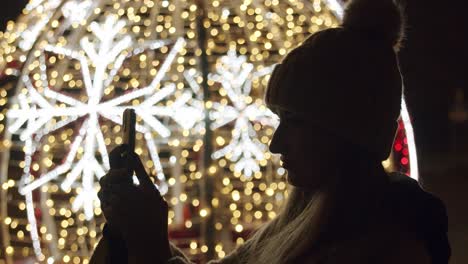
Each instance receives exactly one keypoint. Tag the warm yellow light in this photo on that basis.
(204, 212)
(212, 170)
(270, 192)
(236, 195)
(204, 249)
(9, 250)
(218, 247)
(267, 37)
(193, 245)
(226, 181)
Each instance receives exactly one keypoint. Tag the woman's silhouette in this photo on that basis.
(338, 98)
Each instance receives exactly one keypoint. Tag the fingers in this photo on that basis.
(117, 200)
(140, 170)
(116, 176)
(117, 159)
(110, 184)
(117, 187)
(105, 196)
(126, 207)
(121, 158)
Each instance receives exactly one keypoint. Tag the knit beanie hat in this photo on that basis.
(346, 80)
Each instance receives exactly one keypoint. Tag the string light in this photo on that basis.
(236, 77)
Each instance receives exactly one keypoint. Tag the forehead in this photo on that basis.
(281, 96)
(275, 90)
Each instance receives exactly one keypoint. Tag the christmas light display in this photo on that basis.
(69, 68)
(236, 75)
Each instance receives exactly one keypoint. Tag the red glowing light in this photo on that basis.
(405, 152)
(404, 161)
(398, 147)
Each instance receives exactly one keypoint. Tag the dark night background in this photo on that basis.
(434, 63)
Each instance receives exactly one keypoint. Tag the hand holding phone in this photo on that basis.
(129, 121)
(118, 158)
(128, 135)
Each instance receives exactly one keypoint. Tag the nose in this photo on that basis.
(278, 141)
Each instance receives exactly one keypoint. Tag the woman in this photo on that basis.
(338, 97)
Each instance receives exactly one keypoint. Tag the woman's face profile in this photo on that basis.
(308, 153)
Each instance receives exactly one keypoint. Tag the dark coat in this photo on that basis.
(424, 214)
(412, 230)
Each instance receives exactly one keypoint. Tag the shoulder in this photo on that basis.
(405, 249)
(420, 213)
(384, 242)
(406, 198)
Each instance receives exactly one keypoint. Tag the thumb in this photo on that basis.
(140, 170)
(116, 158)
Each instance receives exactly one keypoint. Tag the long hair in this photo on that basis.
(293, 231)
(300, 224)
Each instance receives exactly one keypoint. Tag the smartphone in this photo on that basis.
(129, 121)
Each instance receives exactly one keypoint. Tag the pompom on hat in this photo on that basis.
(346, 80)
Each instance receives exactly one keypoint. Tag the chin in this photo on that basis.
(293, 180)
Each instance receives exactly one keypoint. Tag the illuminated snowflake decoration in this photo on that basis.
(46, 8)
(74, 11)
(106, 51)
(77, 10)
(235, 75)
(197, 101)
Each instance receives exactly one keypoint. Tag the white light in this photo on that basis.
(236, 76)
(28, 187)
(44, 11)
(41, 108)
(32, 221)
(30, 209)
(165, 66)
(336, 7)
(281, 171)
(154, 155)
(172, 159)
(413, 156)
(76, 11)
(197, 105)
(74, 174)
(225, 13)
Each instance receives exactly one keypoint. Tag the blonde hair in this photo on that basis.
(308, 216)
(291, 233)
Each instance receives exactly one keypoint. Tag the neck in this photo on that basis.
(355, 196)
